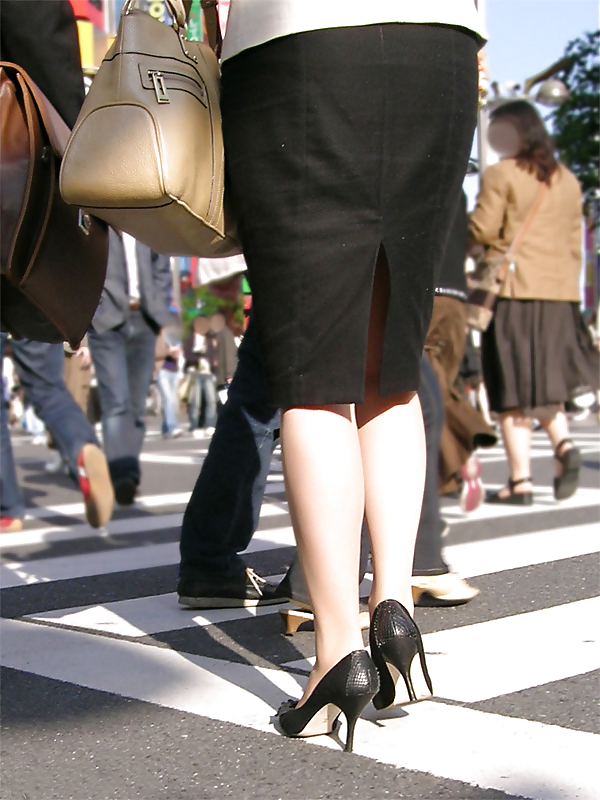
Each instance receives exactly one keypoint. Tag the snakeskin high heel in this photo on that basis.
(395, 640)
(347, 688)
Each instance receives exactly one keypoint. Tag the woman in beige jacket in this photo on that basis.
(536, 352)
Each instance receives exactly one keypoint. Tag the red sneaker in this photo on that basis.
(95, 485)
(10, 524)
(471, 493)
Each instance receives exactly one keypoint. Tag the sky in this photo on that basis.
(525, 36)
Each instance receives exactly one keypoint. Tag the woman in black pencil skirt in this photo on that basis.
(347, 136)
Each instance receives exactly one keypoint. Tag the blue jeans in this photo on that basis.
(204, 392)
(124, 362)
(40, 369)
(167, 381)
(11, 501)
(224, 509)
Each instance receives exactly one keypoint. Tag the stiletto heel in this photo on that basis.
(347, 688)
(395, 640)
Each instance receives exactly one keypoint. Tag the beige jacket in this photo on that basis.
(548, 262)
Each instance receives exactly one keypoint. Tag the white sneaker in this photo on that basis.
(55, 463)
(208, 431)
(198, 433)
(174, 434)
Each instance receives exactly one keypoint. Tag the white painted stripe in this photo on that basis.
(516, 756)
(523, 550)
(535, 453)
(161, 458)
(128, 558)
(114, 528)
(149, 501)
(543, 500)
(74, 532)
(144, 616)
(501, 656)
(524, 758)
(469, 663)
(469, 559)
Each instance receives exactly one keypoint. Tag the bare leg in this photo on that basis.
(333, 456)
(325, 487)
(516, 433)
(484, 403)
(557, 428)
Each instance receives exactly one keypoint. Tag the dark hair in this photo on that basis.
(537, 152)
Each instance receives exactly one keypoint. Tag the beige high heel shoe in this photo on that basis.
(293, 618)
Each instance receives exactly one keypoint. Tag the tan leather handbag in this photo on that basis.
(53, 255)
(146, 152)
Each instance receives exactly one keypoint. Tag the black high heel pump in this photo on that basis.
(395, 640)
(347, 688)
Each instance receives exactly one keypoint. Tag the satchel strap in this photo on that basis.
(518, 240)
(213, 28)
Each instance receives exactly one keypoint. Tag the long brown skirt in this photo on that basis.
(536, 353)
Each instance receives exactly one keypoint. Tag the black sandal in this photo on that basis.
(514, 498)
(566, 484)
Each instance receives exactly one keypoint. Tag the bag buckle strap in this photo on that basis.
(160, 89)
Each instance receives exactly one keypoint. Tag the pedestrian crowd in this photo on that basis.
(347, 139)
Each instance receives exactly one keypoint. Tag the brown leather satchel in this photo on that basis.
(53, 256)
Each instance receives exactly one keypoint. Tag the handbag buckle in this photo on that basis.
(160, 90)
(84, 221)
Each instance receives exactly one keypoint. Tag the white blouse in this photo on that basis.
(253, 22)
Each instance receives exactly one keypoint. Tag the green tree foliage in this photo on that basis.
(576, 123)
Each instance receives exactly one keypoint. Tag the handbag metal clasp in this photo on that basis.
(84, 221)
(160, 89)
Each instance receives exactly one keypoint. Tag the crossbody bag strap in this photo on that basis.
(518, 240)
(213, 29)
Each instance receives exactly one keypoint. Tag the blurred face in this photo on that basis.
(201, 325)
(504, 138)
(217, 323)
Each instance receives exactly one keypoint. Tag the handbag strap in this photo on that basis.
(518, 240)
(213, 28)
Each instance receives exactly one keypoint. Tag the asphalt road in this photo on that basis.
(110, 690)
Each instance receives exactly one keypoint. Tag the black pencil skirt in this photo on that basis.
(340, 142)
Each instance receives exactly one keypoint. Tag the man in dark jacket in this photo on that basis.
(133, 308)
(41, 37)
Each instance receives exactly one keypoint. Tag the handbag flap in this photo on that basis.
(57, 129)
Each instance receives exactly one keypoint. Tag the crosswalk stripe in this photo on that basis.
(524, 758)
(543, 502)
(144, 616)
(157, 613)
(469, 559)
(469, 663)
(522, 550)
(148, 501)
(44, 570)
(501, 656)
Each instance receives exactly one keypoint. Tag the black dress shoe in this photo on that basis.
(125, 490)
(248, 591)
(395, 640)
(346, 688)
(565, 485)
